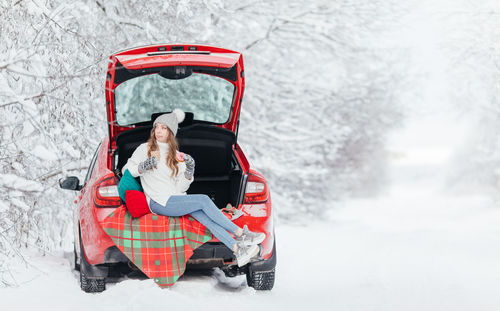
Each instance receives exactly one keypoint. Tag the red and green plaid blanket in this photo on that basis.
(160, 246)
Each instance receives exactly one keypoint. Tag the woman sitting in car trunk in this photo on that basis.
(166, 174)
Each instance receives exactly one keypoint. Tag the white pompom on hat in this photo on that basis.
(179, 114)
(172, 119)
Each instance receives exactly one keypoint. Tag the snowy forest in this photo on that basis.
(327, 84)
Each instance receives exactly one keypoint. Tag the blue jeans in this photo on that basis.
(201, 207)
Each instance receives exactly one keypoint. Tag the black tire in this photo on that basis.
(92, 285)
(261, 280)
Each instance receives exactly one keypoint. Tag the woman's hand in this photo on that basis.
(180, 156)
(147, 165)
(189, 166)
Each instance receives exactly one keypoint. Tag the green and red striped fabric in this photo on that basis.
(158, 245)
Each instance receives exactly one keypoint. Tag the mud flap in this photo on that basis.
(264, 265)
(91, 271)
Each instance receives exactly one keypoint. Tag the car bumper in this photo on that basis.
(216, 254)
(210, 254)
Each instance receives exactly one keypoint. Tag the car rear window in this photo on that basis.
(208, 97)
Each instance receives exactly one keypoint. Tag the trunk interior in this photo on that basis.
(217, 172)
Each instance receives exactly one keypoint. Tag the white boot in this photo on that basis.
(248, 237)
(244, 254)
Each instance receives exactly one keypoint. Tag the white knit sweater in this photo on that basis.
(157, 183)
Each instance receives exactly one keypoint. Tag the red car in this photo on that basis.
(141, 83)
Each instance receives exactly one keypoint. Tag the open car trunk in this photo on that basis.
(217, 172)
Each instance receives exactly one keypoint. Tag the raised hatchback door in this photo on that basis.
(206, 82)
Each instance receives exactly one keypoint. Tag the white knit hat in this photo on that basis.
(171, 120)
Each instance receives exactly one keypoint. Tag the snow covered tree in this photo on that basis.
(473, 48)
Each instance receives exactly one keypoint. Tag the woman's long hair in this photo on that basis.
(173, 146)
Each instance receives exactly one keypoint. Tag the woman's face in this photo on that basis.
(161, 132)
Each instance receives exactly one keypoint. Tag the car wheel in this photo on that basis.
(261, 280)
(92, 285)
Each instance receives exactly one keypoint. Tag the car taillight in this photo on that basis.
(256, 189)
(106, 193)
